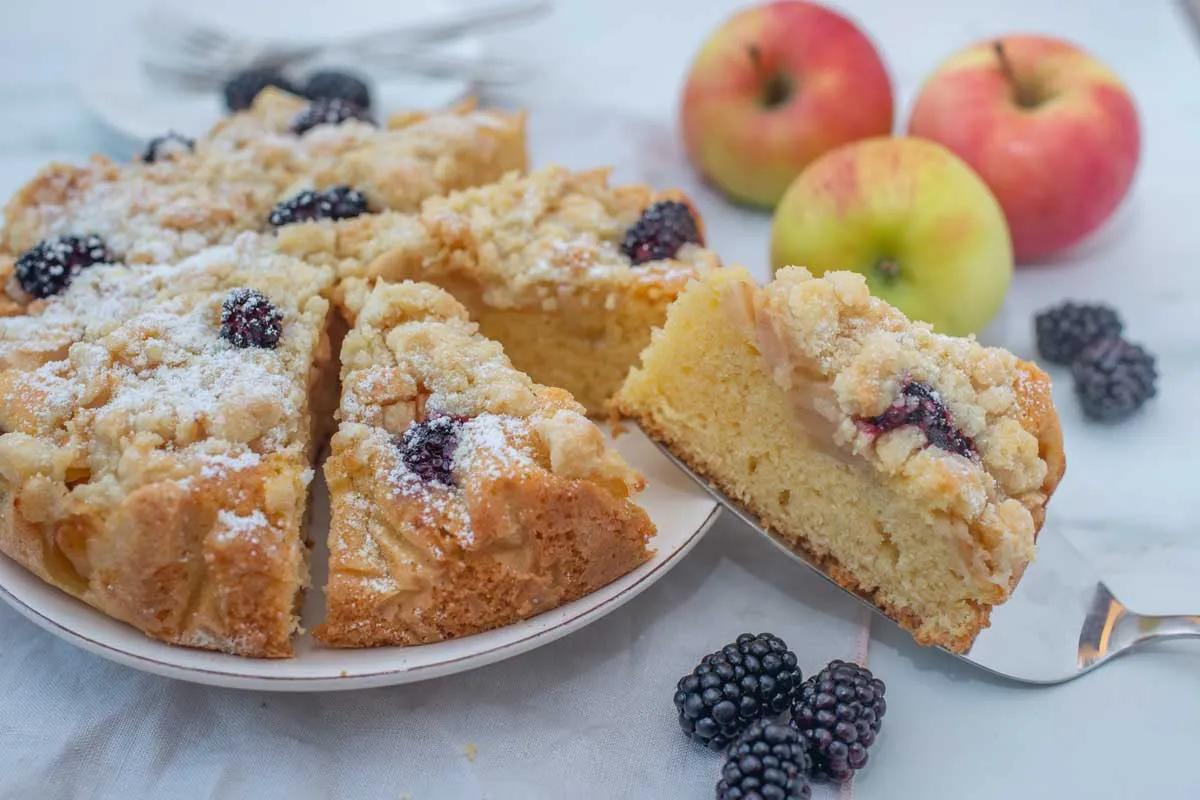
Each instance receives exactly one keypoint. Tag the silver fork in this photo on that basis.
(199, 55)
(1060, 623)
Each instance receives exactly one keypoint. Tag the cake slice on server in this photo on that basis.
(464, 496)
(568, 273)
(914, 468)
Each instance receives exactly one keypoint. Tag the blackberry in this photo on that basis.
(250, 319)
(1063, 331)
(920, 405)
(166, 146)
(243, 87)
(839, 711)
(427, 448)
(769, 761)
(49, 266)
(328, 111)
(662, 229)
(336, 83)
(338, 202)
(753, 677)
(1113, 378)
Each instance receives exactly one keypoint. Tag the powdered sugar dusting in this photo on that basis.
(233, 526)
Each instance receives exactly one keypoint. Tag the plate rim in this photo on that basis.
(346, 682)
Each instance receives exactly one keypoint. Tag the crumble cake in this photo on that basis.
(567, 272)
(157, 426)
(914, 467)
(464, 496)
(181, 198)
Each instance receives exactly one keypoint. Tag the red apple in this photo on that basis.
(1049, 128)
(775, 87)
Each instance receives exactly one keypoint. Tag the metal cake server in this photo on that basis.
(1060, 623)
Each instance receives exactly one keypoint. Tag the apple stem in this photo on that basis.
(776, 87)
(1021, 93)
(888, 268)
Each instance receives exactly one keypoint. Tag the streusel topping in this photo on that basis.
(545, 240)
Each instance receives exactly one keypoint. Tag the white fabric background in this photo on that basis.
(590, 716)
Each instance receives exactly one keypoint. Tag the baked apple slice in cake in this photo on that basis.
(157, 426)
(464, 495)
(568, 273)
(914, 468)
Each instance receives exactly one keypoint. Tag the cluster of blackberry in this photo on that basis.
(326, 84)
(735, 700)
(1113, 377)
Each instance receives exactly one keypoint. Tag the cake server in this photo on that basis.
(1061, 621)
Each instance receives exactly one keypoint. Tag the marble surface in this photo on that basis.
(605, 92)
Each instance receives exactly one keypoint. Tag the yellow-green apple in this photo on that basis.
(775, 87)
(911, 217)
(1050, 129)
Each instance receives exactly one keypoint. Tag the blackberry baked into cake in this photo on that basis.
(157, 428)
(464, 496)
(274, 163)
(914, 467)
(567, 272)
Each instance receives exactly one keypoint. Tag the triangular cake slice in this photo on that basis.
(568, 273)
(157, 428)
(464, 496)
(914, 467)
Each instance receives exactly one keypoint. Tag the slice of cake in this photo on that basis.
(181, 197)
(914, 468)
(464, 495)
(157, 426)
(568, 273)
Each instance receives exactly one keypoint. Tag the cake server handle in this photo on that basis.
(1112, 629)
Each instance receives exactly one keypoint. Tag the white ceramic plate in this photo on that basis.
(680, 509)
(124, 98)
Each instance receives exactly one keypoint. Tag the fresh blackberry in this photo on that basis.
(243, 87)
(49, 266)
(250, 319)
(1063, 331)
(1113, 378)
(166, 146)
(336, 83)
(662, 229)
(839, 711)
(338, 202)
(920, 405)
(769, 761)
(753, 677)
(328, 111)
(427, 448)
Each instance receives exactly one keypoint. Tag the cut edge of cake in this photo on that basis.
(839, 381)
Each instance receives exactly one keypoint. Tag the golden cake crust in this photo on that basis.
(539, 514)
(151, 469)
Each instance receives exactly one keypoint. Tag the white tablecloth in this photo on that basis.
(591, 715)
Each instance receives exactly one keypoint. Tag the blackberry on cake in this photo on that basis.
(427, 447)
(839, 712)
(912, 468)
(1065, 330)
(169, 145)
(769, 761)
(337, 202)
(241, 90)
(1114, 378)
(250, 319)
(752, 677)
(336, 83)
(49, 266)
(660, 231)
(329, 111)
